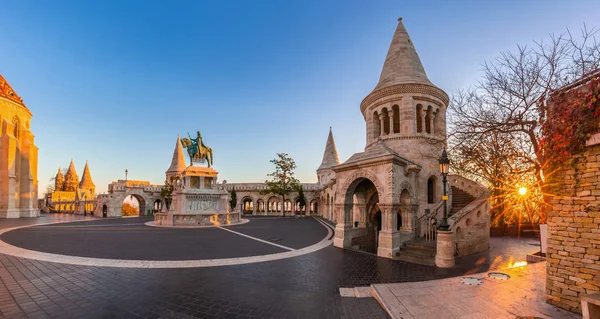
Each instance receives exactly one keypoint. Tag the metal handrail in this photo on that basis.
(428, 224)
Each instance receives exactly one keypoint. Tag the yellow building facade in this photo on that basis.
(71, 195)
(18, 157)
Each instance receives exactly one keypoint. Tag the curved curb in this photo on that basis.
(152, 224)
(11, 250)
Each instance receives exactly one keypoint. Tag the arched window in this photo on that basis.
(431, 190)
(428, 120)
(386, 121)
(396, 112)
(17, 127)
(376, 125)
(419, 118)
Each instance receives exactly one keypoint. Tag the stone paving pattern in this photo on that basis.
(302, 287)
(521, 296)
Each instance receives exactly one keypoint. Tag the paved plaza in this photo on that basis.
(306, 285)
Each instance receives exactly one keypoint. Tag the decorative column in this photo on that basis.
(444, 256)
(362, 215)
(391, 116)
(381, 127)
(389, 237)
(343, 227)
(422, 119)
(431, 122)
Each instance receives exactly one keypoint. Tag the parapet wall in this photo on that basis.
(573, 255)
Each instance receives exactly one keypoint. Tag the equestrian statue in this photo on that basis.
(197, 151)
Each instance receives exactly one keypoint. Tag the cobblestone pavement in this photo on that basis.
(301, 287)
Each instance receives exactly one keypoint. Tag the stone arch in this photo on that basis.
(428, 117)
(247, 204)
(431, 189)
(386, 121)
(376, 125)
(405, 185)
(419, 118)
(260, 205)
(353, 180)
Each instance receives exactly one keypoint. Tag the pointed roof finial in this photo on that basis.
(402, 64)
(71, 170)
(330, 156)
(86, 179)
(178, 161)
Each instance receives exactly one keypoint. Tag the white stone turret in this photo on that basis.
(330, 159)
(177, 163)
(405, 110)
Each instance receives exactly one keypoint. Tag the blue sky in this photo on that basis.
(114, 82)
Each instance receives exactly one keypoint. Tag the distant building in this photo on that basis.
(71, 195)
(18, 157)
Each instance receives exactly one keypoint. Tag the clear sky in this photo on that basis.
(114, 82)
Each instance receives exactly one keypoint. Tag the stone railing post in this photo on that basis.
(444, 256)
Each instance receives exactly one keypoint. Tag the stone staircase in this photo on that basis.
(460, 199)
(420, 251)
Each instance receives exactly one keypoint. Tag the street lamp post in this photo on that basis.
(84, 204)
(444, 167)
(126, 171)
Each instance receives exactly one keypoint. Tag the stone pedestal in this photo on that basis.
(342, 237)
(389, 243)
(444, 257)
(197, 202)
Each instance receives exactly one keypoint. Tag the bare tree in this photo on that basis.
(495, 126)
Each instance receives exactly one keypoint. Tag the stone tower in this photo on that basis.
(177, 163)
(71, 178)
(59, 181)
(86, 184)
(330, 159)
(405, 110)
(18, 157)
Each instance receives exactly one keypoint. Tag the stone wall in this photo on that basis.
(573, 256)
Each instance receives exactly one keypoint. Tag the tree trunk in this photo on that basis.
(283, 204)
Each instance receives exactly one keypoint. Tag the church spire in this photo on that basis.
(178, 162)
(86, 179)
(330, 156)
(402, 64)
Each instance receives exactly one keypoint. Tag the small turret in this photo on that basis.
(178, 162)
(59, 181)
(86, 183)
(330, 159)
(71, 178)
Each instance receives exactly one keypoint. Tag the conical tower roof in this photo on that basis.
(402, 64)
(330, 157)
(178, 161)
(86, 179)
(59, 174)
(71, 172)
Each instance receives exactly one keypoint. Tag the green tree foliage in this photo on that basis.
(301, 198)
(167, 192)
(283, 181)
(233, 200)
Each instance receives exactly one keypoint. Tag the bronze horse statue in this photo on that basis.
(197, 151)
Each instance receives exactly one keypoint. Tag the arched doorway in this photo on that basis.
(133, 205)
(363, 195)
(260, 206)
(157, 206)
(104, 211)
(247, 205)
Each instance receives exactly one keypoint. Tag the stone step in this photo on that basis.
(422, 245)
(429, 261)
(417, 252)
